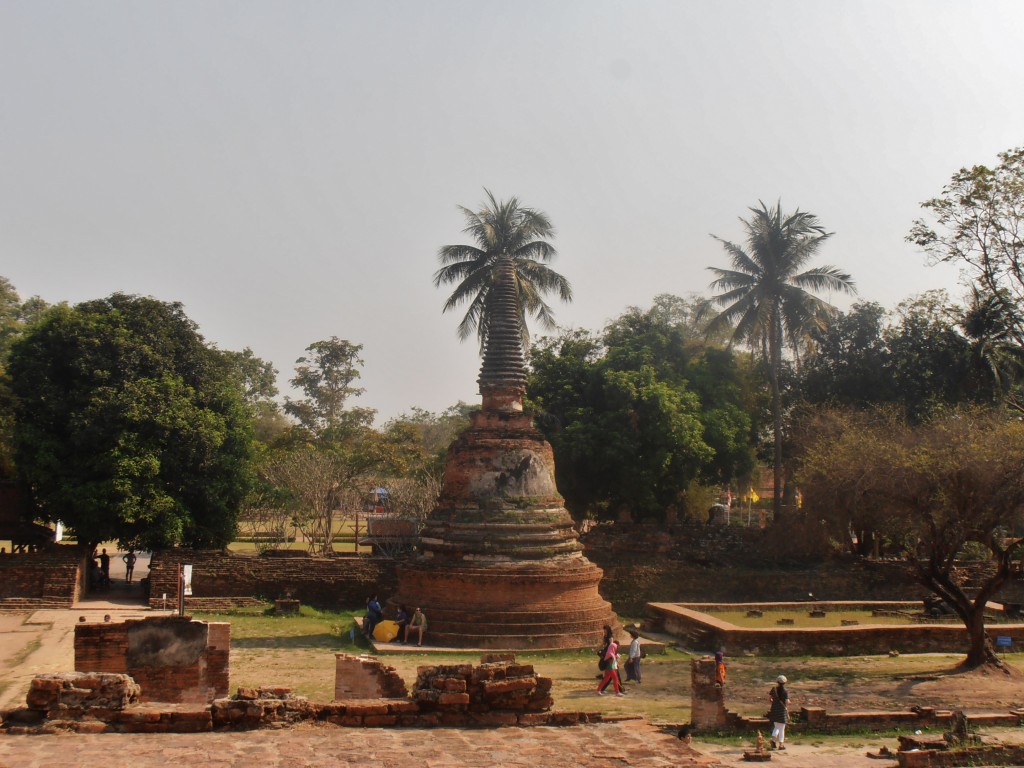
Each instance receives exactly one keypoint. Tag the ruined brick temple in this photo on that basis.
(500, 563)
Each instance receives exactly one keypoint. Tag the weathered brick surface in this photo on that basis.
(325, 582)
(82, 690)
(364, 677)
(172, 659)
(49, 578)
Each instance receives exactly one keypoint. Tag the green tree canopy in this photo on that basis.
(502, 229)
(128, 426)
(979, 225)
(639, 414)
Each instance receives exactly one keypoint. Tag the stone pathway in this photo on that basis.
(612, 745)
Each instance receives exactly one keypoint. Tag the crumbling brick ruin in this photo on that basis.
(173, 659)
(497, 692)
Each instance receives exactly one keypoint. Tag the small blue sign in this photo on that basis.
(1002, 641)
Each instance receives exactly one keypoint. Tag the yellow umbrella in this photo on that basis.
(385, 631)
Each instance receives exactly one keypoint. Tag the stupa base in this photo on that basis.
(552, 604)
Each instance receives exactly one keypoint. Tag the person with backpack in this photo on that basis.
(778, 714)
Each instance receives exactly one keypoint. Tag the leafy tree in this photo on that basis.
(434, 432)
(502, 229)
(767, 300)
(326, 376)
(979, 225)
(954, 480)
(638, 415)
(127, 425)
(332, 456)
(989, 324)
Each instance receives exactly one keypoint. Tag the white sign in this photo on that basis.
(186, 577)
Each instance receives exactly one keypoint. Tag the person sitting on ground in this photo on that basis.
(779, 712)
(374, 614)
(417, 623)
(402, 620)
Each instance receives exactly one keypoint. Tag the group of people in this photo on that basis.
(608, 661)
(778, 696)
(408, 624)
(99, 568)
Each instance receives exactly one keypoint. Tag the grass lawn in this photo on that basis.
(298, 652)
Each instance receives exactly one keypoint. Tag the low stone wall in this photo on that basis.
(498, 692)
(172, 659)
(324, 582)
(706, 633)
(710, 713)
(49, 578)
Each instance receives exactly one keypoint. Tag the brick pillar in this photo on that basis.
(707, 701)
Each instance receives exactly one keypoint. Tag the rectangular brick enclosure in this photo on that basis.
(707, 633)
(173, 659)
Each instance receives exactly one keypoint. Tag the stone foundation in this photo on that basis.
(540, 605)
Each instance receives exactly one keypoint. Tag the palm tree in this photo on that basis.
(766, 297)
(502, 229)
(992, 324)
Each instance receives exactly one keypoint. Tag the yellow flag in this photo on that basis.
(753, 495)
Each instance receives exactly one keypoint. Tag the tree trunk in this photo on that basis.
(980, 650)
(775, 363)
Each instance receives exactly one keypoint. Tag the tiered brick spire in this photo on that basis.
(503, 372)
(500, 564)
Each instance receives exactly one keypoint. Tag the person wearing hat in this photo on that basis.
(779, 712)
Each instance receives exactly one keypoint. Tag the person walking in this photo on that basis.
(779, 712)
(611, 669)
(633, 660)
(720, 671)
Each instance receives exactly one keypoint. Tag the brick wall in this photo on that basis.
(172, 659)
(325, 582)
(700, 563)
(47, 578)
(708, 634)
(364, 677)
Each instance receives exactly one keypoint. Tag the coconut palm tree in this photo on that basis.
(766, 297)
(992, 324)
(502, 229)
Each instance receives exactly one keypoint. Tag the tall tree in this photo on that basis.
(327, 377)
(502, 229)
(979, 225)
(767, 300)
(128, 425)
(953, 480)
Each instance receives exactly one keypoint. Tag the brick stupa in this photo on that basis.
(500, 563)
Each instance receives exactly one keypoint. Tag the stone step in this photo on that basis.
(527, 641)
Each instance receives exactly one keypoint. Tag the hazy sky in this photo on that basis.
(288, 170)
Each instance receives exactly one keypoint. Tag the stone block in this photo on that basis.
(494, 718)
(454, 685)
(379, 721)
(496, 688)
(453, 699)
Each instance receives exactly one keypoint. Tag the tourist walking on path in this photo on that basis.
(633, 661)
(719, 669)
(779, 712)
(611, 669)
(374, 614)
(129, 565)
